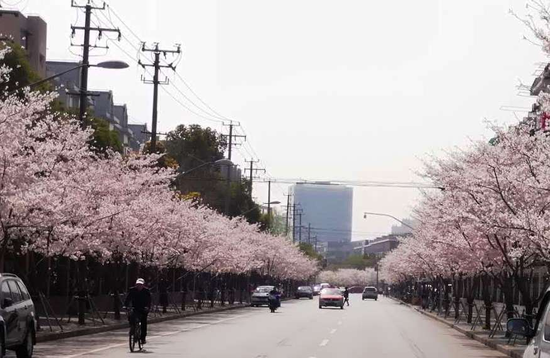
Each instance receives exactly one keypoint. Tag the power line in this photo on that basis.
(216, 117)
(212, 116)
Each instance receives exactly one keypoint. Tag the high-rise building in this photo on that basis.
(327, 208)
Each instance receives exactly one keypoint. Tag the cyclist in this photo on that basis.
(139, 297)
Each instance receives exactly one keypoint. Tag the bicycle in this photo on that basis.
(135, 332)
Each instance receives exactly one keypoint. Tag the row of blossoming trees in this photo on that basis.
(348, 277)
(488, 218)
(59, 199)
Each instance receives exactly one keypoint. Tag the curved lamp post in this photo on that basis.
(389, 216)
(112, 65)
(220, 162)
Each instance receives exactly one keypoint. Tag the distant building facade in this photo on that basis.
(30, 33)
(101, 103)
(381, 245)
(328, 209)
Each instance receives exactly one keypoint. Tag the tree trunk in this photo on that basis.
(459, 284)
(472, 286)
(507, 288)
(488, 302)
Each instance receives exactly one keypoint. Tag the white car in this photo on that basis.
(539, 345)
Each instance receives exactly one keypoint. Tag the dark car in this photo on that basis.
(17, 317)
(304, 291)
(370, 292)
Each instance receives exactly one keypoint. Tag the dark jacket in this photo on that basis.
(140, 300)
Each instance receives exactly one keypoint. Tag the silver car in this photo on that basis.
(370, 292)
(260, 296)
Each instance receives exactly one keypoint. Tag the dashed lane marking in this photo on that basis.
(333, 331)
(323, 343)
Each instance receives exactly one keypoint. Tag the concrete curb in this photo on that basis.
(467, 333)
(47, 337)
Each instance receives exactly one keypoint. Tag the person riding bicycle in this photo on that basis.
(139, 298)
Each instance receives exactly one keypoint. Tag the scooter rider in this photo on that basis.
(274, 294)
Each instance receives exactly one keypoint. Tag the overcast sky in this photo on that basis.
(350, 89)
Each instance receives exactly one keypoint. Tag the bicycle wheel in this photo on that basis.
(132, 336)
(137, 336)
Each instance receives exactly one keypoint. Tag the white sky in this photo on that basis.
(351, 89)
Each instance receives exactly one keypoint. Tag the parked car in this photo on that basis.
(370, 292)
(331, 297)
(316, 290)
(260, 296)
(539, 335)
(304, 291)
(17, 317)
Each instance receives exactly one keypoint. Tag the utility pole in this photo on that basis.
(287, 213)
(300, 223)
(83, 94)
(293, 223)
(83, 106)
(315, 237)
(252, 170)
(309, 233)
(230, 145)
(268, 200)
(156, 82)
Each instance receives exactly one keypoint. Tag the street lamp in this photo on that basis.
(112, 65)
(219, 162)
(389, 216)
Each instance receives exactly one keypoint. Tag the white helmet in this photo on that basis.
(140, 281)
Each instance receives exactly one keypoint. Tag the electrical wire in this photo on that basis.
(137, 48)
(211, 115)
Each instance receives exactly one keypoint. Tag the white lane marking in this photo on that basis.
(150, 338)
(333, 331)
(323, 343)
(339, 323)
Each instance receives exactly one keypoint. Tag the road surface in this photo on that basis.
(298, 330)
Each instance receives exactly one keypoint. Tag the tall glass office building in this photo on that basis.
(327, 207)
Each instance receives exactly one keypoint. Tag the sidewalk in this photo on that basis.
(498, 342)
(72, 329)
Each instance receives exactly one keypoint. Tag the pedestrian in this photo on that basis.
(346, 296)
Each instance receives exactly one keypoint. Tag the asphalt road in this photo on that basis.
(299, 329)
